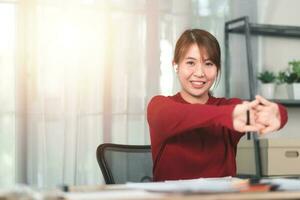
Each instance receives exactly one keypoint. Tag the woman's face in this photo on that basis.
(196, 73)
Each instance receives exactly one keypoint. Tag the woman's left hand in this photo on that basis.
(267, 114)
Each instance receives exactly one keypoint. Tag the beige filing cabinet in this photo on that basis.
(279, 157)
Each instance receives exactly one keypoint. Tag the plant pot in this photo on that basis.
(267, 90)
(293, 90)
(281, 91)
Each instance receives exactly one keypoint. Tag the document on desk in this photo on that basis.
(284, 184)
(202, 185)
(112, 194)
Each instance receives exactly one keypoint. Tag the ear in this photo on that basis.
(175, 67)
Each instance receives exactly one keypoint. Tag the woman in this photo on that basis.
(194, 134)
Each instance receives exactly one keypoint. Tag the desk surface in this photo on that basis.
(233, 196)
(114, 189)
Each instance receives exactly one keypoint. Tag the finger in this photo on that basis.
(250, 128)
(244, 106)
(239, 111)
(268, 129)
(262, 100)
(260, 126)
(264, 116)
(254, 103)
(261, 120)
(259, 108)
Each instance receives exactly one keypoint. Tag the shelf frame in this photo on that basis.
(243, 26)
(288, 102)
(268, 30)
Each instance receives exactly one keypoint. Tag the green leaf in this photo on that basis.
(267, 77)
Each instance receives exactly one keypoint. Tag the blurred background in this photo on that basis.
(77, 73)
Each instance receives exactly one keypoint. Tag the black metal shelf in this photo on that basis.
(243, 26)
(268, 30)
(288, 102)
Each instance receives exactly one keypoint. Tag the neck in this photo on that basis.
(194, 99)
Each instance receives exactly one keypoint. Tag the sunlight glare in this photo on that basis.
(7, 22)
(166, 79)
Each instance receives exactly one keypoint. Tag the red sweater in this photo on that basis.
(194, 140)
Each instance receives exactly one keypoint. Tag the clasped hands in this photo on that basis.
(264, 116)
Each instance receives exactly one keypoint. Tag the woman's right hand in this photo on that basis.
(240, 117)
(267, 114)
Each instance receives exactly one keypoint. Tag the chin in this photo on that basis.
(197, 94)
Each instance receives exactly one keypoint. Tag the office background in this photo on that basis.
(77, 73)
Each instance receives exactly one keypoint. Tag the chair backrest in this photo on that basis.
(125, 163)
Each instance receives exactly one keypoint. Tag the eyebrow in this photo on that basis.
(192, 58)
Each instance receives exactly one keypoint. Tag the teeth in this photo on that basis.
(198, 83)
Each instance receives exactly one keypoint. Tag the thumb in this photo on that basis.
(254, 103)
(240, 109)
(245, 105)
(268, 129)
(262, 100)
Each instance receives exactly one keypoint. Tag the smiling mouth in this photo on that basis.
(198, 84)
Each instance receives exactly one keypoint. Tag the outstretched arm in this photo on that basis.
(169, 117)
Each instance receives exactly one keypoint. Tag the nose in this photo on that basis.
(199, 71)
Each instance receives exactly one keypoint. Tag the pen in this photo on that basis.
(91, 188)
(248, 123)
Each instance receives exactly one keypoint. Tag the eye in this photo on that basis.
(191, 63)
(209, 63)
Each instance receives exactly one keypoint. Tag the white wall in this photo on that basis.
(239, 84)
(275, 53)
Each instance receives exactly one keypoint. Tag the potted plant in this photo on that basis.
(293, 79)
(267, 85)
(281, 85)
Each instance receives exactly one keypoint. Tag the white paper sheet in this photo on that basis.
(112, 194)
(211, 185)
(284, 183)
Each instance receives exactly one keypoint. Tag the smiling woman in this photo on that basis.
(194, 134)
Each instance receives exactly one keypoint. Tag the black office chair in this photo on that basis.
(125, 163)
